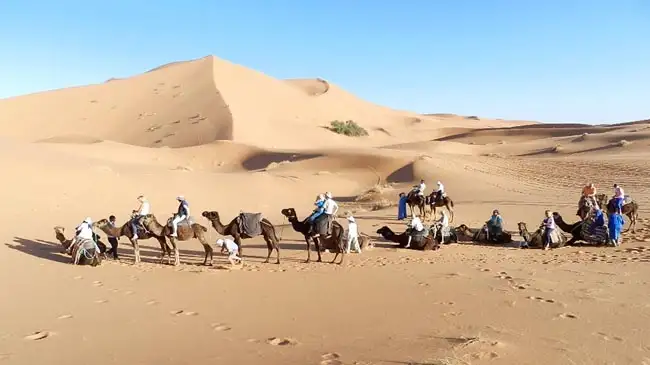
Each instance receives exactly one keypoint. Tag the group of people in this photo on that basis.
(419, 190)
(615, 219)
(327, 208)
(589, 196)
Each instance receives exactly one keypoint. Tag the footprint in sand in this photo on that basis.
(78, 277)
(331, 358)
(97, 283)
(568, 315)
(275, 341)
(542, 299)
(220, 327)
(152, 302)
(65, 316)
(39, 335)
(180, 311)
(607, 337)
(101, 301)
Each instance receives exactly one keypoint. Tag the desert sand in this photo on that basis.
(232, 139)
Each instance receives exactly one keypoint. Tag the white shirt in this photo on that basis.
(421, 187)
(441, 188)
(353, 230)
(416, 224)
(145, 208)
(85, 231)
(231, 246)
(444, 221)
(618, 192)
(331, 207)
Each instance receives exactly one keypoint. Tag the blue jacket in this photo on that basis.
(495, 221)
(320, 209)
(599, 219)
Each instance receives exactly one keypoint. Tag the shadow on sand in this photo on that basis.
(40, 248)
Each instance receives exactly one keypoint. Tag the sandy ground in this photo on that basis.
(232, 139)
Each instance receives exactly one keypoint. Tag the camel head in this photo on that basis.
(211, 216)
(100, 223)
(290, 213)
(58, 232)
(385, 231)
(464, 230)
(522, 227)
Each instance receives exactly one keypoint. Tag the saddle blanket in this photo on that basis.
(250, 223)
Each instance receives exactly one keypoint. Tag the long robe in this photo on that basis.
(401, 208)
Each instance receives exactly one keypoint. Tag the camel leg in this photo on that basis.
(451, 213)
(269, 246)
(208, 251)
(308, 249)
(136, 250)
(335, 257)
(177, 259)
(317, 244)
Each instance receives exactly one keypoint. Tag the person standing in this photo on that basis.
(111, 239)
(401, 207)
(353, 235)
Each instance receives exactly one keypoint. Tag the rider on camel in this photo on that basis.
(318, 211)
(440, 191)
(589, 194)
(142, 210)
(182, 214)
(619, 196)
(331, 208)
(419, 189)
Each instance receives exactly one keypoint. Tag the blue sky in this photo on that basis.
(556, 61)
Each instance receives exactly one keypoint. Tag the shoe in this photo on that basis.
(135, 237)
(173, 235)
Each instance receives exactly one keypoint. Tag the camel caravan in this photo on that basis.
(328, 235)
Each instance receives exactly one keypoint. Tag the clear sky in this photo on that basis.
(557, 61)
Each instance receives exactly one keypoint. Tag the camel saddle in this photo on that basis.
(83, 246)
(250, 224)
(185, 223)
(418, 236)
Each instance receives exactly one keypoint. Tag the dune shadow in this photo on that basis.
(264, 159)
(40, 248)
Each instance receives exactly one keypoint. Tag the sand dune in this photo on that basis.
(233, 139)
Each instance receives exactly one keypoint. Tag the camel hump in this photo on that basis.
(189, 221)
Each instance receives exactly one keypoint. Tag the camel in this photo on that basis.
(125, 230)
(413, 199)
(446, 202)
(333, 243)
(80, 258)
(235, 230)
(585, 205)
(580, 231)
(427, 243)
(536, 240)
(185, 232)
(480, 235)
(631, 209)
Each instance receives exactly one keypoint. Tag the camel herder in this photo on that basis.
(353, 235)
(232, 249)
(401, 207)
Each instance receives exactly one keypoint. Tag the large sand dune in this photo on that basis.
(233, 139)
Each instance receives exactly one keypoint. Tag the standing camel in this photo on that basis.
(446, 202)
(413, 199)
(631, 210)
(234, 229)
(333, 243)
(125, 230)
(185, 232)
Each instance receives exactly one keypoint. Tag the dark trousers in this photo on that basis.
(113, 242)
(547, 236)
